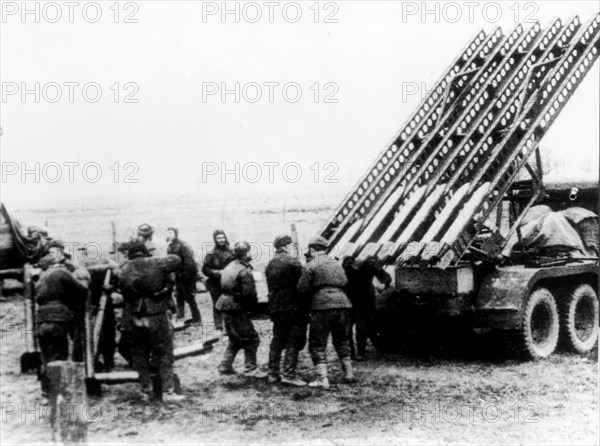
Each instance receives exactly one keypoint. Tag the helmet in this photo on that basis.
(145, 230)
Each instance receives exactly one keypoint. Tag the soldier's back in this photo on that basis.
(148, 275)
(327, 283)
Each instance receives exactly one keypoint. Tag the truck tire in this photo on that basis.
(539, 330)
(579, 319)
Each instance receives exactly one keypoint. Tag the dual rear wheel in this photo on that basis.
(579, 320)
(567, 316)
(573, 322)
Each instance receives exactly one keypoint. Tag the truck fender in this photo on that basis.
(504, 291)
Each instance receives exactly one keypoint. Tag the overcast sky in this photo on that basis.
(174, 55)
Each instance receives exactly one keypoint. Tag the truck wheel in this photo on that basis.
(579, 319)
(539, 328)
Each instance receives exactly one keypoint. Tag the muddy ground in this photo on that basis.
(485, 396)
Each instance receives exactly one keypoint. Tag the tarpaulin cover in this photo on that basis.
(535, 213)
(586, 224)
(16, 247)
(552, 230)
(575, 215)
(574, 230)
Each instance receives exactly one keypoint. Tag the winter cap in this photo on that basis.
(137, 249)
(282, 240)
(241, 249)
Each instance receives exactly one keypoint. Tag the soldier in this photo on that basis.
(289, 317)
(57, 296)
(56, 249)
(323, 282)
(236, 302)
(214, 262)
(185, 277)
(361, 292)
(144, 283)
(144, 235)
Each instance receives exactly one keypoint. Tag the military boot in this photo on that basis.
(273, 379)
(347, 370)
(226, 366)
(255, 373)
(361, 347)
(251, 369)
(274, 371)
(180, 310)
(172, 397)
(290, 360)
(322, 380)
(352, 348)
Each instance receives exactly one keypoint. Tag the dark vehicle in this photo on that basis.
(457, 207)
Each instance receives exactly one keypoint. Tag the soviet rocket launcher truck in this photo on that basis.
(457, 206)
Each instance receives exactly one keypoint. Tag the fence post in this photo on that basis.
(295, 244)
(68, 400)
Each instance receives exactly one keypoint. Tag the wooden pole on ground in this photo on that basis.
(68, 401)
(197, 349)
(128, 376)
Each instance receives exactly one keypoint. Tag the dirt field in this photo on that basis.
(446, 398)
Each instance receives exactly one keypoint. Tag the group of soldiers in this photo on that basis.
(322, 297)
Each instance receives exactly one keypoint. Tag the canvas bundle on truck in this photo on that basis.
(17, 246)
(9, 255)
